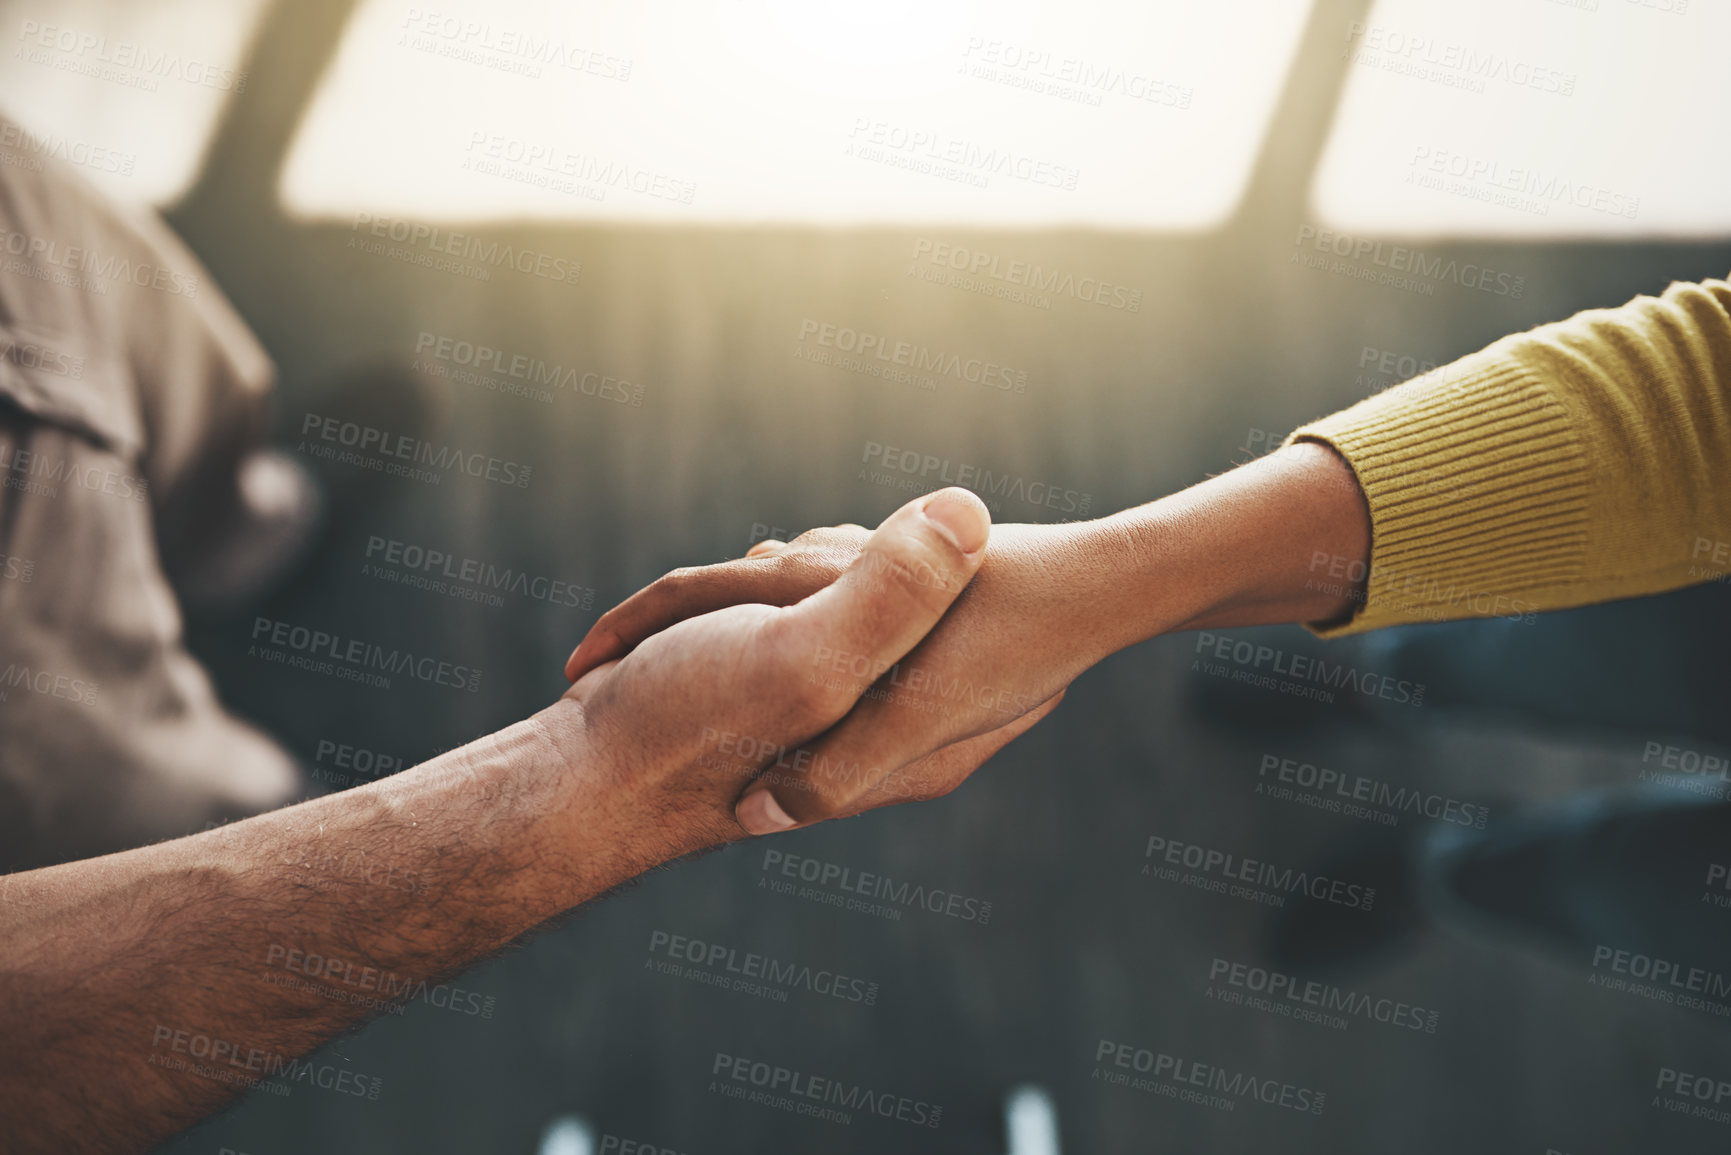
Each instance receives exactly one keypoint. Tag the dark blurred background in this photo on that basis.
(1236, 339)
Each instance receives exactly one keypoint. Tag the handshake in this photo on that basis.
(811, 679)
(848, 669)
(822, 677)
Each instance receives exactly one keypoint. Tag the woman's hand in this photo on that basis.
(996, 663)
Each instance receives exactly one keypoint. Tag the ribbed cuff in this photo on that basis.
(1477, 485)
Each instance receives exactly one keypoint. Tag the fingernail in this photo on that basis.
(959, 517)
(760, 813)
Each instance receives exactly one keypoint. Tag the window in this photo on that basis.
(127, 93)
(1115, 113)
(1545, 118)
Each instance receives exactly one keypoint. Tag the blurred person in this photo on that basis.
(137, 487)
(134, 404)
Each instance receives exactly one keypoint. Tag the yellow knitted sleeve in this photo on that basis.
(1578, 462)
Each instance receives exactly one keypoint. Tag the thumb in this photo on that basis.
(848, 633)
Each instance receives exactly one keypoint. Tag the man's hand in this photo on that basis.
(994, 665)
(708, 694)
(119, 972)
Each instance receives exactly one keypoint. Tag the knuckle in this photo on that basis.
(812, 697)
(915, 791)
(669, 587)
(936, 781)
(820, 701)
(823, 565)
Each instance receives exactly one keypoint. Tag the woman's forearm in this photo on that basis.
(1283, 539)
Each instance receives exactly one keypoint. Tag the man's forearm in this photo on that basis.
(143, 989)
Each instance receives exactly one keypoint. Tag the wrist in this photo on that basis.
(1149, 579)
(614, 805)
(1241, 548)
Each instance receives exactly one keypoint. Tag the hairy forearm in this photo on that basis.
(142, 990)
